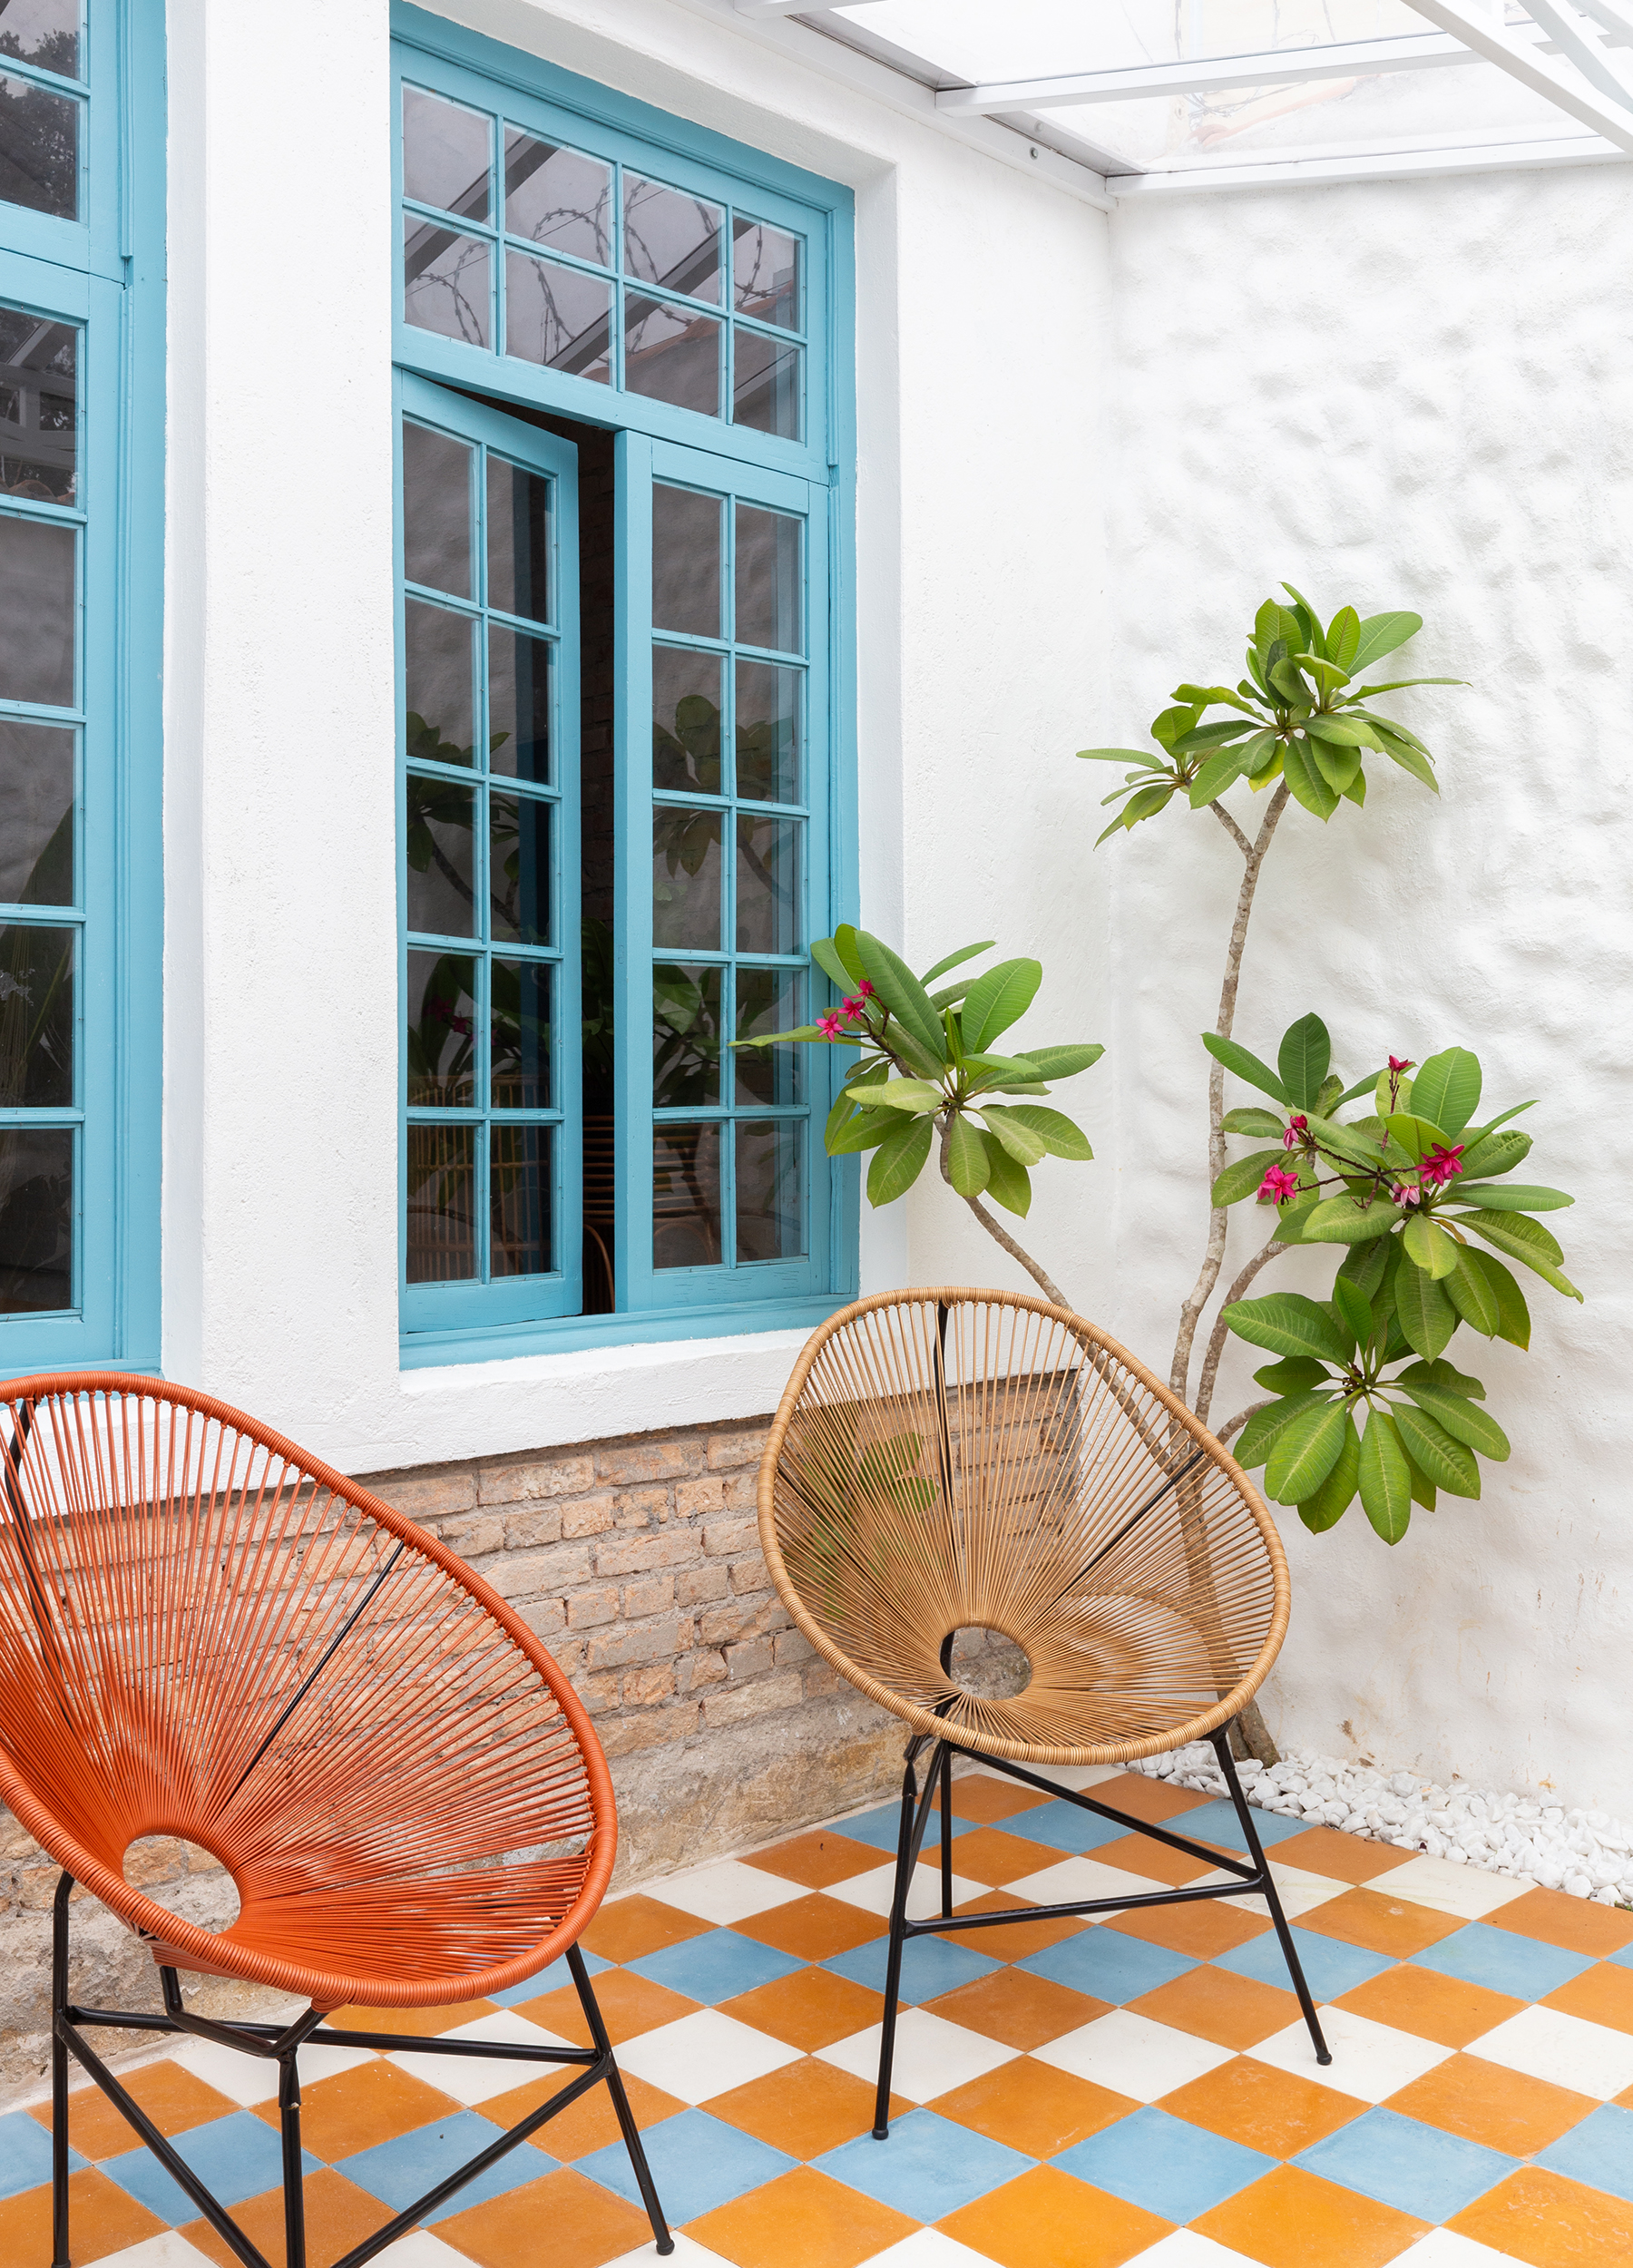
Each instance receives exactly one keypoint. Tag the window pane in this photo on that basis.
(440, 696)
(671, 355)
(518, 540)
(765, 272)
(37, 1018)
(448, 154)
(442, 1204)
(768, 884)
(39, 149)
(558, 198)
(769, 732)
(686, 1196)
(519, 1201)
(521, 1034)
(558, 316)
(672, 240)
(767, 579)
(518, 704)
(686, 878)
(770, 1216)
(686, 718)
(768, 1000)
(442, 899)
(687, 551)
(36, 1220)
(766, 377)
(436, 510)
(37, 612)
(519, 869)
(441, 1039)
(446, 282)
(36, 815)
(686, 1036)
(38, 397)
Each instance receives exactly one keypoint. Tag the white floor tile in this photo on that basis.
(687, 2253)
(1467, 1891)
(250, 2080)
(1547, 2044)
(703, 2055)
(469, 2081)
(1133, 2055)
(874, 1891)
(421, 2249)
(1076, 1878)
(1297, 1888)
(928, 2248)
(725, 1892)
(1443, 2248)
(1370, 2061)
(1077, 1776)
(171, 2250)
(1188, 2248)
(932, 2056)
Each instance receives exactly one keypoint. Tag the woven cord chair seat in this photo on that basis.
(956, 1460)
(206, 1633)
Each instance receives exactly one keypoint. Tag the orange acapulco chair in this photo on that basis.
(206, 1633)
(951, 1460)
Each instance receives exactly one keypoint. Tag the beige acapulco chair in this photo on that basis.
(955, 1461)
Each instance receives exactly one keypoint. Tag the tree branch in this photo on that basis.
(1222, 1433)
(1221, 1330)
(1050, 1291)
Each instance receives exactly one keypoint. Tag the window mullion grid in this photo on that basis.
(481, 850)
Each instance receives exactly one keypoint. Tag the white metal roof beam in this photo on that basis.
(1275, 66)
(1576, 39)
(1531, 70)
(793, 7)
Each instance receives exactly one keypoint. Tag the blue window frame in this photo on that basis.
(651, 324)
(81, 108)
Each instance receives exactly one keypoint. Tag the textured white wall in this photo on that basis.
(1406, 395)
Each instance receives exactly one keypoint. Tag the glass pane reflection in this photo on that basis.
(36, 1220)
(37, 1018)
(39, 149)
(441, 1036)
(518, 540)
(519, 1205)
(558, 198)
(44, 32)
(448, 154)
(442, 899)
(672, 355)
(36, 814)
(442, 1204)
(440, 695)
(447, 286)
(436, 510)
(766, 380)
(770, 1215)
(518, 704)
(671, 239)
(686, 1196)
(520, 1014)
(768, 884)
(686, 878)
(558, 316)
(688, 546)
(769, 731)
(686, 718)
(519, 869)
(765, 272)
(768, 1000)
(767, 579)
(38, 405)
(37, 612)
(686, 1036)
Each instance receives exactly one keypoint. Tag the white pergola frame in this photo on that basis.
(1020, 119)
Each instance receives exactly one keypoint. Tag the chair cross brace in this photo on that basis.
(282, 2044)
(1253, 1876)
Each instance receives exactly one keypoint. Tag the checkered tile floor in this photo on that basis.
(1070, 2094)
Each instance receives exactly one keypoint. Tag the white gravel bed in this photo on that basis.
(1587, 1853)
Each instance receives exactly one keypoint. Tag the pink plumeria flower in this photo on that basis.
(1406, 1193)
(1295, 1128)
(1278, 1186)
(831, 1026)
(1400, 1063)
(1442, 1165)
(865, 988)
(856, 1009)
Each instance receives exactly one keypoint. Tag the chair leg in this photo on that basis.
(946, 1831)
(664, 2242)
(59, 2075)
(289, 2118)
(1255, 1852)
(893, 1967)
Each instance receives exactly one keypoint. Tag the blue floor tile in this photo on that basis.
(1217, 1822)
(698, 2162)
(1523, 1967)
(1401, 2163)
(928, 2167)
(930, 1965)
(1599, 2152)
(883, 1828)
(547, 1980)
(1106, 1963)
(399, 2171)
(715, 1967)
(26, 2154)
(1064, 1826)
(1330, 1966)
(1624, 1958)
(236, 2157)
(1165, 2163)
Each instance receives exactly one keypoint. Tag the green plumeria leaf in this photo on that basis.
(1441, 1458)
(1509, 1197)
(1305, 1452)
(1361, 1144)
(1526, 1240)
(964, 952)
(847, 944)
(1349, 1220)
(1381, 634)
(1112, 756)
(1356, 1308)
(1446, 1089)
(1383, 1479)
(1362, 1087)
(1263, 1427)
(1251, 1121)
(999, 998)
(903, 994)
(1458, 1417)
(1246, 1066)
(1243, 1178)
(1022, 1144)
(966, 1159)
(1297, 1374)
(1061, 1062)
(1513, 1315)
(1336, 1493)
(1409, 759)
(1495, 1153)
(1344, 636)
(1440, 1374)
(908, 1094)
(1287, 1322)
(825, 954)
(1224, 769)
(1054, 1128)
(1430, 1247)
(1426, 1316)
(899, 1161)
(1474, 1297)
(1309, 786)
(1302, 1060)
(1008, 1181)
(865, 1130)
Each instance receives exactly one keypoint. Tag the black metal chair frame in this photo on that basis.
(915, 1818)
(280, 2047)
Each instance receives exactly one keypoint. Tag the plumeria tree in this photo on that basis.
(929, 1075)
